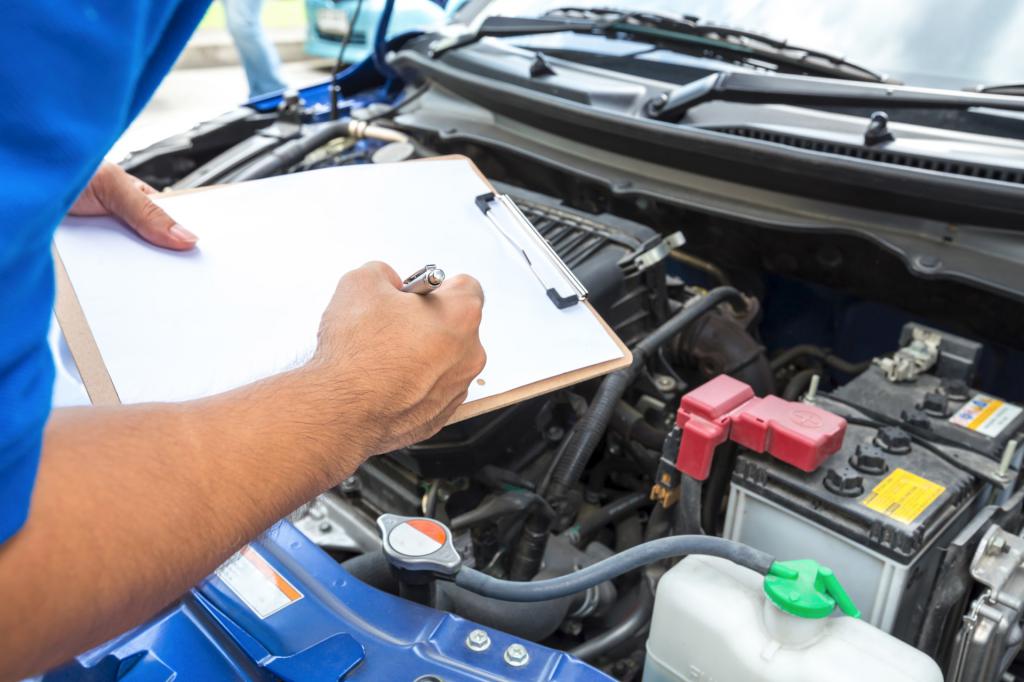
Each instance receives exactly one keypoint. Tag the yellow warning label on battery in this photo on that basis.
(903, 496)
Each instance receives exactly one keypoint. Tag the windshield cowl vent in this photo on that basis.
(879, 155)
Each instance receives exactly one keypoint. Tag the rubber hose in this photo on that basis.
(529, 621)
(591, 428)
(293, 151)
(799, 381)
(373, 569)
(635, 620)
(628, 421)
(613, 567)
(789, 355)
(610, 513)
(628, 533)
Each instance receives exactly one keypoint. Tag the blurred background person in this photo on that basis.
(259, 56)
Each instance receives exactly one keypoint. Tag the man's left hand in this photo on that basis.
(112, 191)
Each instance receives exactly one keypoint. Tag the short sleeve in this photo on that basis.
(74, 75)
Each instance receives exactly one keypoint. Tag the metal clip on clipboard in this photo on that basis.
(559, 282)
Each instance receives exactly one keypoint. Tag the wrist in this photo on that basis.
(296, 422)
(324, 410)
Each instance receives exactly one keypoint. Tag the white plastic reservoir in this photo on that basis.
(714, 623)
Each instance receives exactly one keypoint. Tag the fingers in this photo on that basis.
(128, 198)
(383, 271)
(462, 285)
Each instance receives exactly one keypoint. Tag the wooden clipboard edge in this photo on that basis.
(81, 342)
(537, 388)
(101, 390)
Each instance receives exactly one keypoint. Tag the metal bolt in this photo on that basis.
(478, 640)
(664, 383)
(325, 526)
(1008, 452)
(812, 390)
(997, 545)
(516, 655)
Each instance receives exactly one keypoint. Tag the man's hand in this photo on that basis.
(111, 191)
(151, 497)
(402, 361)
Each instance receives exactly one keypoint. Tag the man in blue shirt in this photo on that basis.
(108, 514)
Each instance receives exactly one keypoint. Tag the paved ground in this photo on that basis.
(189, 96)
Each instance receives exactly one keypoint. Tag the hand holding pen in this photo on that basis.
(423, 281)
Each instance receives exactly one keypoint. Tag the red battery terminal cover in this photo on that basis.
(727, 409)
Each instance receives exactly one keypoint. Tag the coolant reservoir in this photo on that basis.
(715, 621)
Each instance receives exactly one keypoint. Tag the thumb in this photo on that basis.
(125, 199)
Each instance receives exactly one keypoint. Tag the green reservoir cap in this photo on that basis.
(807, 589)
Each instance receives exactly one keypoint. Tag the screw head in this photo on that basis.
(516, 655)
(997, 545)
(664, 383)
(325, 526)
(478, 640)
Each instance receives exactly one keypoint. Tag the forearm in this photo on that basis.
(133, 505)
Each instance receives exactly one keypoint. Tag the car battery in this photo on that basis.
(939, 403)
(878, 512)
(881, 510)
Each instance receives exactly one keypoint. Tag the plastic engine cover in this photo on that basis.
(282, 609)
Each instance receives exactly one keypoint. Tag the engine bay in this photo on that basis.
(918, 497)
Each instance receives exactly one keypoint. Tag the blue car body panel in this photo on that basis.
(340, 628)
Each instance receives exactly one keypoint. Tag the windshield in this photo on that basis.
(932, 43)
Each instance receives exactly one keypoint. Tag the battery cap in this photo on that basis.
(869, 459)
(418, 544)
(807, 589)
(893, 440)
(726, 409)
(843, 481)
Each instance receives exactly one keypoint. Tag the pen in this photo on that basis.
(424, 280)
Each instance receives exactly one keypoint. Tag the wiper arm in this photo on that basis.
(666, 30)
(757, 88)
(1016, 89)
(762, 46)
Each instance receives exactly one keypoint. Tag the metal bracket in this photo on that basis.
(991, 634)
(650, 254)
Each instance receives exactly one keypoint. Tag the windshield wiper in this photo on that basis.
(740, 47)
(753, 45)
(1016, 89)
(757, 88)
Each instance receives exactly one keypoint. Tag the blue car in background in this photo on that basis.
(329, 21)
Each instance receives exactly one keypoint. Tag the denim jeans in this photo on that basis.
(259, 57)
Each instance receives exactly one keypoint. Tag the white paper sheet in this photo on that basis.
(247, 302)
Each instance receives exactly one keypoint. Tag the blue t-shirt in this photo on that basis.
(73, 75)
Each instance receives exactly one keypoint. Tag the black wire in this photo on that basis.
(877, 420)
(335, 87)
(394, 108)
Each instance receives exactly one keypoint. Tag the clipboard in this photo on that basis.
(100, 387)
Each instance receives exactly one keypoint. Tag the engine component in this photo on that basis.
(939, 404)
(593, 249)
(991, 636)
(423, 546)
(913, 359)
(739, 625)
(882, 509)
(726, 409)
